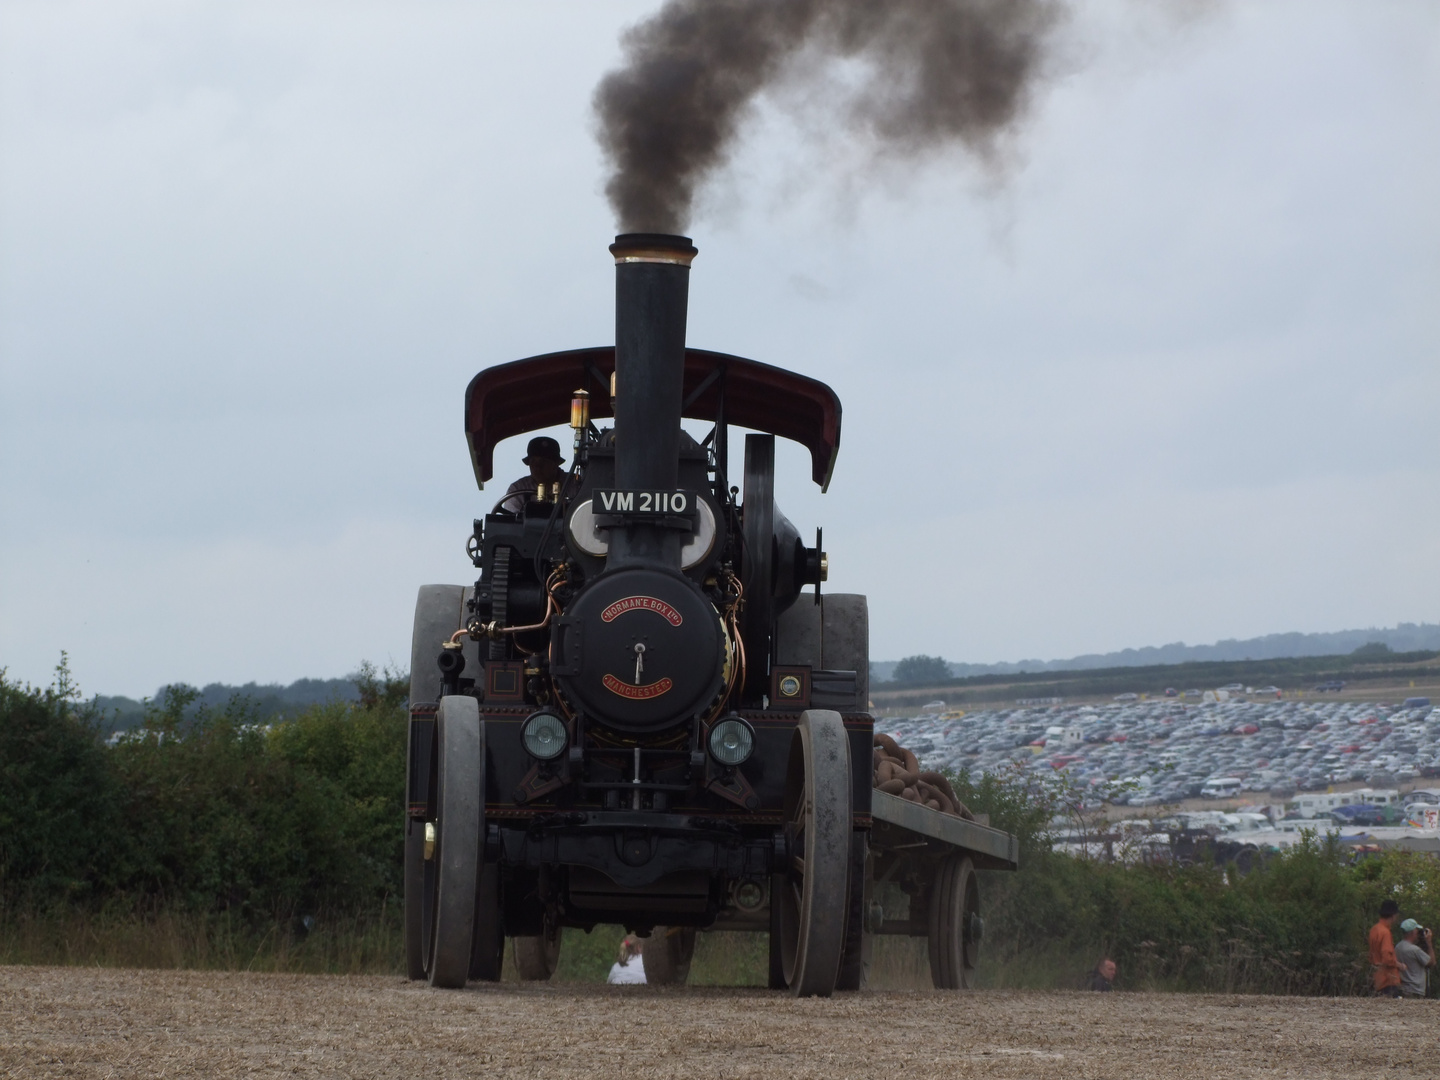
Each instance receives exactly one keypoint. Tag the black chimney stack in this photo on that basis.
(652, 289)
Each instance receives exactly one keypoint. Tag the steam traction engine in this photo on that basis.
(634, 716)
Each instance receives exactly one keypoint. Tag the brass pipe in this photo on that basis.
(490, 630)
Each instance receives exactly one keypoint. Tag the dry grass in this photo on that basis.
(335, 945)
(84, 1022)
(340, 944)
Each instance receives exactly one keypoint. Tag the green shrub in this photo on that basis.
(203, 838)
(203, 811)
(1296, 923)
(58, 795)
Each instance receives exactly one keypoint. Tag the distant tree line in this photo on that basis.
(1405, 638)
(1295, 673)
(264, 701)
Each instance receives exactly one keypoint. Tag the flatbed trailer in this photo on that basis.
(932, 857)
(906, 826)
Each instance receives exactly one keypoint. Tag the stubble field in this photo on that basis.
(92, 1022)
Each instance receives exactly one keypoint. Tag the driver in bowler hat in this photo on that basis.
(543, 457)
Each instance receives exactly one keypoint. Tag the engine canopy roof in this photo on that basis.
(524, 395)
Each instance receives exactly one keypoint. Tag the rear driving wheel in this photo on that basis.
(955, 924)
(459, 826)
(813, 893)
(667, 955)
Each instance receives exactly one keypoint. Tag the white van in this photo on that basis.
(1222, 787)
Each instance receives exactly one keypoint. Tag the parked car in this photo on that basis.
(1223, 787)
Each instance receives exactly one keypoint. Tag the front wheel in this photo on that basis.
(813, 893)
(857, 942)
(487, 952)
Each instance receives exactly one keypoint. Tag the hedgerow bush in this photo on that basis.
(1294, 923)
(204, 838)
(58, 796)
(201, 811)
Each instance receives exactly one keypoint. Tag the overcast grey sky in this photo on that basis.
(1174, 377)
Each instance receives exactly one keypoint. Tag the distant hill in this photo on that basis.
(1404, 638)
(269, 700)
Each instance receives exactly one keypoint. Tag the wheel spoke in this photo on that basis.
(802, 811)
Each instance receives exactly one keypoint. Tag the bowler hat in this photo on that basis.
(543, 448)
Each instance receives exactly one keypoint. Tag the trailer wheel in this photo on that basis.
(955, 924)
(813, 893)
(667, 955)
(459, 826)
(439, 610)
(537, 957)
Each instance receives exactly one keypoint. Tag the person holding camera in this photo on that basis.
(1415, 953)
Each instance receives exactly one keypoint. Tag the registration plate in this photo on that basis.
(642, 503)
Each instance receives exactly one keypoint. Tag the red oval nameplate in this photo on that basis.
(641, 603)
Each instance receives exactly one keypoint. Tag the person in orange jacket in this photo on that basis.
(1382, 951)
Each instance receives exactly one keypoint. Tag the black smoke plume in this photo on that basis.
(936, 72)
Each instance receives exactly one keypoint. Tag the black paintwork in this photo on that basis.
(578, 840)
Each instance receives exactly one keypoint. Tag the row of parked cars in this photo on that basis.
(1164, 750)
(1364, 824)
